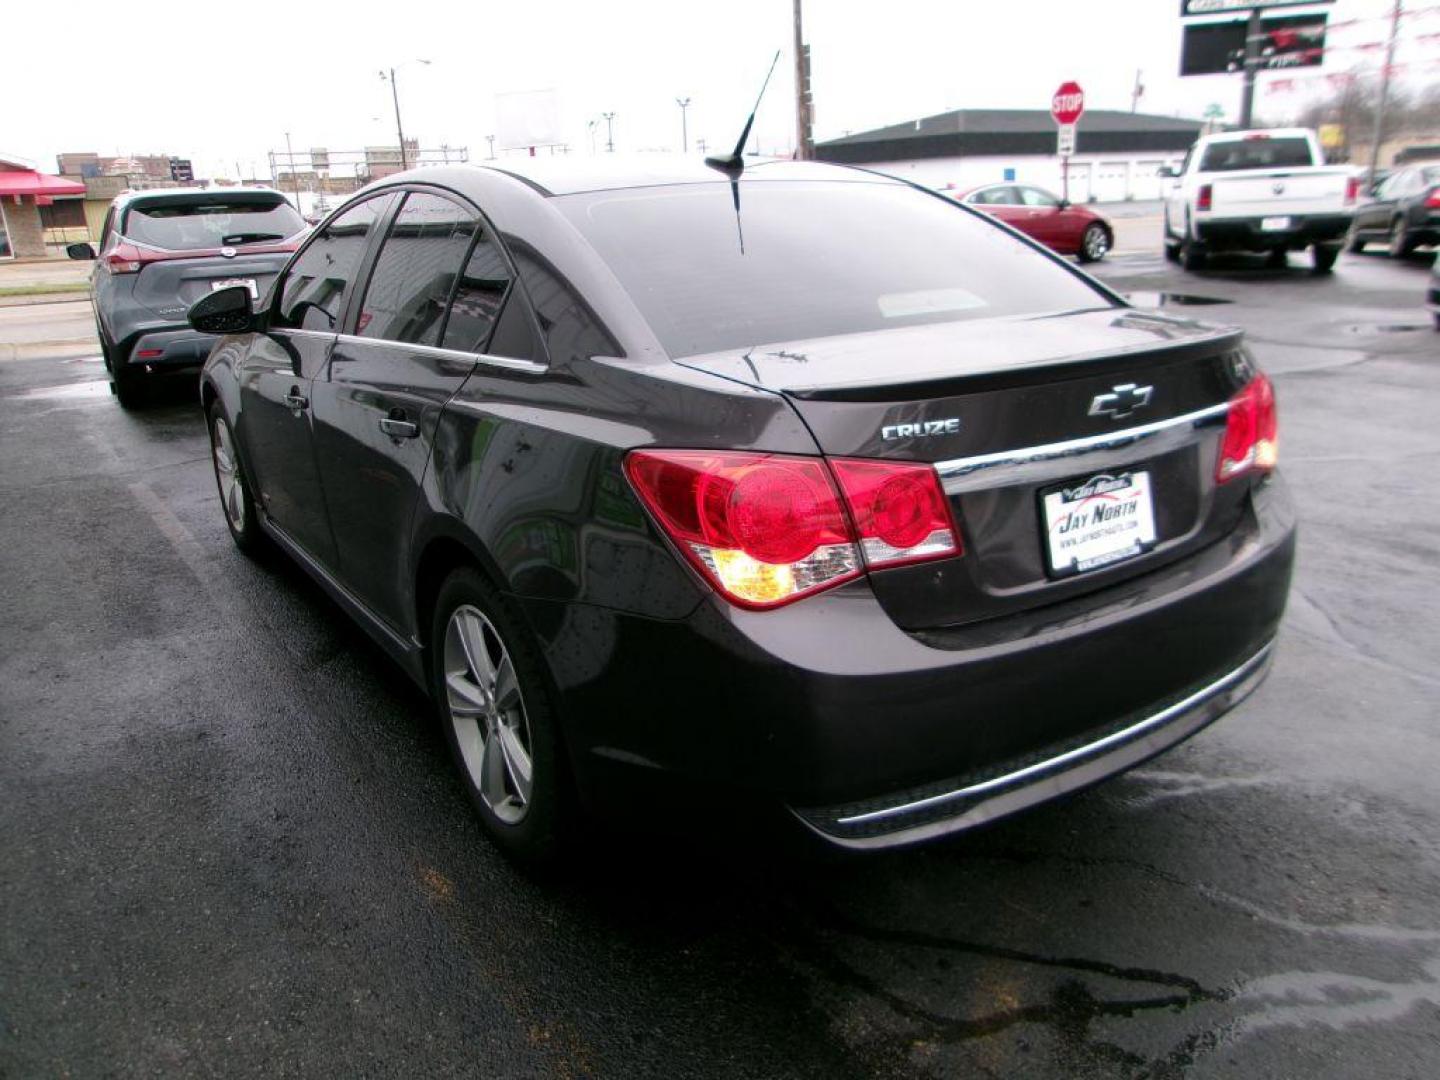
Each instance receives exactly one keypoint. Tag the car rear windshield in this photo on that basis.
(1256, 154)
(803, 259)
(211, 223)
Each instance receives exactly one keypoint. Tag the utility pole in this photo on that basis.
(700, 145)
(399, 130)
(1252, 65)
(684, 104)
(609, 132)
(1136, 93)
(491, 140)
(804, 140)
(1379, 132)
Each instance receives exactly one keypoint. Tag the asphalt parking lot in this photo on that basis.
(231, 843)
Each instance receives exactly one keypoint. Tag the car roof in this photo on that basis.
(1258, 133)
(571, 174)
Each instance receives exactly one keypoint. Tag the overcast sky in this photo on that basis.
(223, 83)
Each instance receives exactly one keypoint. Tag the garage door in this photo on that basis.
(1078, 177)
(1112, 181)
(1146, 183)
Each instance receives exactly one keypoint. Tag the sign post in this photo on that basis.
(1066, 107)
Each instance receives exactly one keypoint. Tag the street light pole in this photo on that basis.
(609, 132)
(684, 104)
(294, 178)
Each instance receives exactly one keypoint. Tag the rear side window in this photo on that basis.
(314, 289)
(997, 196)
(803, 259)
(416, 271)
(1264, 153)
(189, 224)
(478, 297)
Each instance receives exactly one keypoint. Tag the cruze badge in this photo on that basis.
(950, 426)
(1121, 401)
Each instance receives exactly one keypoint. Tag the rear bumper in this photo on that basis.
(827, 705)
(1247, 234)
(166, 346)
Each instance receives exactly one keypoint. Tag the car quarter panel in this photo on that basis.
(528, 463)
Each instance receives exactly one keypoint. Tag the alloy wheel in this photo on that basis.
(487, 713)
(1397, 239)
(227, 471)
(1096, 243)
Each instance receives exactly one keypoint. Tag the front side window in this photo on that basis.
(314, 288)
(807, 259)
(416, 271)
(1035, 197)
(197, 222)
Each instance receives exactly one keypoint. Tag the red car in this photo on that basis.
(1059, 225)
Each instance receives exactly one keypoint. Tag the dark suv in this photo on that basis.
(160, 251)
(793, 489)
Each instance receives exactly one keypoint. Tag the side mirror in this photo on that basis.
(224, 311)
(1063, 204)
(80, 251)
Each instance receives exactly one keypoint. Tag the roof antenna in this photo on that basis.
(734, 162)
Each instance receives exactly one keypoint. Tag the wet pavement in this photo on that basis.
(230, 842)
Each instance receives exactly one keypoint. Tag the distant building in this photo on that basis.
(1117, 153)
(383, 161)
(139, 171)
(27, 199)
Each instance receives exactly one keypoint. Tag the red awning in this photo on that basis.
(29, 182)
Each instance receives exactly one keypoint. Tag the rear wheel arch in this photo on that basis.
(441, 555)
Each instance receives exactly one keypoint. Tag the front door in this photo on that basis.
(377, 408)
(278, 372)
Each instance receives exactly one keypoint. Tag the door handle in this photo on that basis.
(296, 400)
(398, 428)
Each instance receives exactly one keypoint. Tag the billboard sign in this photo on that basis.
(181, 170)
(1288, 41)
(1190, 8)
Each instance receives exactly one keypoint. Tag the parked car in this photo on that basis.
(159, 251)
(679, 499)
(1403, 212)
(1258, 191)
(1059, 225)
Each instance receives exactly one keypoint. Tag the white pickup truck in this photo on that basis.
(1261, 191)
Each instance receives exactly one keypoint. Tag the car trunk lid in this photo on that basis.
(1013, 411)
(169, 285)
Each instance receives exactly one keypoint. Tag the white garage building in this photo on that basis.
(1117, 153)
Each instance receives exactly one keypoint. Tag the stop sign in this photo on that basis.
(1068, 103)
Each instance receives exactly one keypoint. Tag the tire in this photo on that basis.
(1172, 251)
(1278, 259)
(1399, 244)
(1323, 256)
(1356, 243)
(1094, 243)
(127, 384)
(233, 485)
(496, 733)
(1192, 255)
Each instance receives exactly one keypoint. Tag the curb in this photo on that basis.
(76, 297)
(42, 350)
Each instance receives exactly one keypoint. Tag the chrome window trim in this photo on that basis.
(513, 363)
(960, 467)
(1124, 735)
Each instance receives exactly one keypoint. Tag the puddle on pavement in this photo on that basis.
(84, 360)
(77, 391)
(1148, 299)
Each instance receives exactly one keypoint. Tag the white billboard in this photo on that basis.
(527, 118)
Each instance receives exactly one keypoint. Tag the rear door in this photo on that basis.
(1374, 216)
(432, 299)
(277, 372)
(1002, 201)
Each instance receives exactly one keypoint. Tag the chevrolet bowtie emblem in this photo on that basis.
(1121, 401)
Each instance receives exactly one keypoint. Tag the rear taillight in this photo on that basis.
(1251, 440)
(1433, 199)
(124, 259)
(1352, 190)
(766, 529)
(1204, 196)
(899, 511)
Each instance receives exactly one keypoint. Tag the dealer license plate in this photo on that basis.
(1274, 224)
(248, 282)
(1097, 522)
